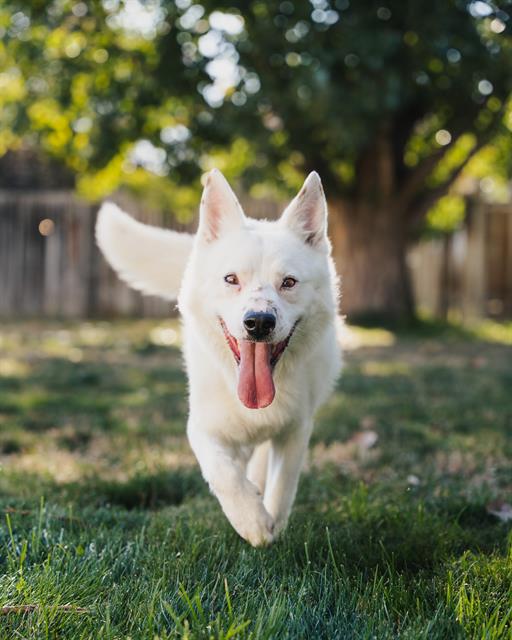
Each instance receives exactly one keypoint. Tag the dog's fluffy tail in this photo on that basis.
(147, 258)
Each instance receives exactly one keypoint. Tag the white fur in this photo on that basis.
(251, 458)
(149, 259)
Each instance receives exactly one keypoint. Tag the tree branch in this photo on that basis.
(417, 177)
(420, 206)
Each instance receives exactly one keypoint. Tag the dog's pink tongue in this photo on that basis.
(255, 385)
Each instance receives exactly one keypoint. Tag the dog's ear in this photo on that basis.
(220, 210)
(306, 214)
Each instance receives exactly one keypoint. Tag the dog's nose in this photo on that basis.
(259, 325)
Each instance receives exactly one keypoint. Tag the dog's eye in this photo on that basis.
(288, 283)
(231, 278)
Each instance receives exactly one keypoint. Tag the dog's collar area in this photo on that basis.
(277, 349)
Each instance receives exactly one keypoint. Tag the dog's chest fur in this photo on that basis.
(304, 379)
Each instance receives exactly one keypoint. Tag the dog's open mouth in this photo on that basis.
(256, 362)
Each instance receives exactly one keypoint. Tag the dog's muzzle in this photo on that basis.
(256, 358)
(259, 325)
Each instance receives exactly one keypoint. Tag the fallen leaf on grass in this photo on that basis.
(364, 440)
(30, 608)
(501, 510)
(349, 453)
(20, 512)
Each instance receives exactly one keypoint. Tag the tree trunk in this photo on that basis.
(369, 249)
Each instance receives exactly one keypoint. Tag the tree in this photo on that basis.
(388, 101)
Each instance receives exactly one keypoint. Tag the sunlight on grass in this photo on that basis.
(13, 367)
(486, 614)
(352, 337)
(164, 335)
(499, 332)
(379, 368)
(391, 535)
(485, 330)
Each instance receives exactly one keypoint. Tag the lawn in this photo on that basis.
(401, 527)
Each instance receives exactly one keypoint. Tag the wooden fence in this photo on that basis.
(468, 273)
(50, 265)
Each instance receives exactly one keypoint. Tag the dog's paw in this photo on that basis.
(256, 527)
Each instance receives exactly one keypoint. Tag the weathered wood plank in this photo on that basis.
(64, 275)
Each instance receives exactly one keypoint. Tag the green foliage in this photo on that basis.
(335, 74)
(390, 541)
(447, 214)
(496, 598)
(267, 90)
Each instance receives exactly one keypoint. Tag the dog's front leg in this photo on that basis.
(257, 466)
(223, 467)
(285, 463)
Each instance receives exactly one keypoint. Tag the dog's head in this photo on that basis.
(260, 282)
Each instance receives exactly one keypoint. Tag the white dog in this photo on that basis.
(259, 306)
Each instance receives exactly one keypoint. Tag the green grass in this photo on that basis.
(103, 507)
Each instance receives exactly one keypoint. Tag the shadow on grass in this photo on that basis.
(415, 413)
(350, 551)
(143, 491)
(89, 397)
(336, 520)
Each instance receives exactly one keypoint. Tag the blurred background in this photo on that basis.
(404, 110)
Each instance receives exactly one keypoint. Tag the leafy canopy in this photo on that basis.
(152, 94)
